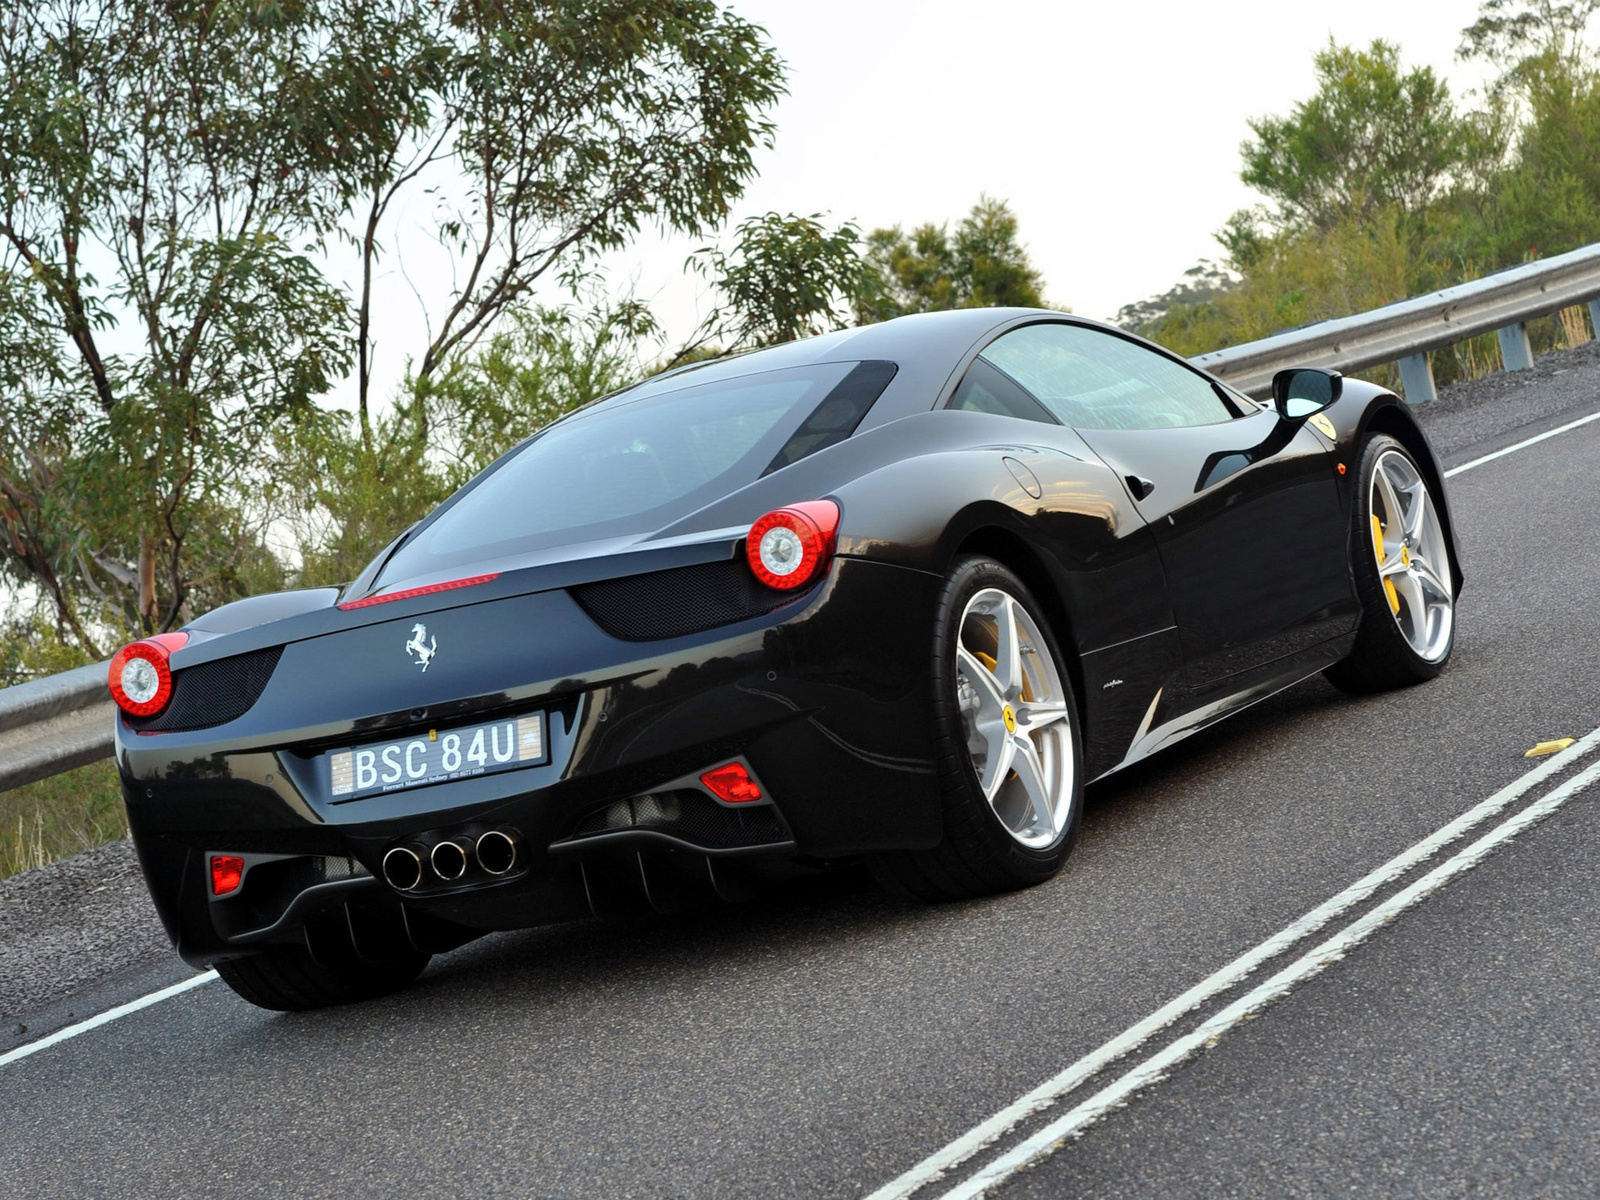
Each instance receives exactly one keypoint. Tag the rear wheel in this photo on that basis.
(289, 979)
(1006, 734)
(1402, 574)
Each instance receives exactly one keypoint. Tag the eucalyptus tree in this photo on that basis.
(982, 265)
(179, 180)
(1373, 136)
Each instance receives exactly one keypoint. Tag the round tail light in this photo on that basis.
(790, 547)
(140, 679)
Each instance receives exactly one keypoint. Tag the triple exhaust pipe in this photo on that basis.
(409, 867)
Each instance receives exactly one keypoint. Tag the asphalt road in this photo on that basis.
(824, 1041)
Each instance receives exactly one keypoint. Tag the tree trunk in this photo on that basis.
(147, 583)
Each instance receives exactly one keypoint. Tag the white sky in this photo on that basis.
(1112, 129)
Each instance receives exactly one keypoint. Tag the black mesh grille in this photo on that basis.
(666, 604)
(213, 693)
(691, 816)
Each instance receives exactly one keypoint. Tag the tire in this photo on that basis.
(1013, 840)
(1407, 629)
(288, 979)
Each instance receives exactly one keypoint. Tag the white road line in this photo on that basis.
(105, 1018)
(1523, 445)
(1314, 962)
(936, 1165)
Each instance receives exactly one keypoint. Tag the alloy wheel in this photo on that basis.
(1014, 710)
(1413, 555)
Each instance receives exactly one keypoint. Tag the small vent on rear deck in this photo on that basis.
(213, 693)
(684, 600)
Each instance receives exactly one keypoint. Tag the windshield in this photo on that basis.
(641, 460)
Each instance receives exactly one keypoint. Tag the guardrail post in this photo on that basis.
(1515, 350)
(1416, 379)
(1594, 317)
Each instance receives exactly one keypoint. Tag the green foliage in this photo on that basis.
(343, 497)
(60, 816)
(171, 318)
(175, 178)
(1371, 138)
(1511, 32)
(1297, 278)
(573, 124)
(1201, 283)
(787, 277)
(541, 365)
(983, 265)
(1382, 188)
(1547, 199)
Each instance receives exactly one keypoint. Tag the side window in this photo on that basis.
(986, 388)
(1095, 380)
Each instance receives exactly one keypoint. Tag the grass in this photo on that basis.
(57, 817)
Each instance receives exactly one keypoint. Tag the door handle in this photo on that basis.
(1139, 486)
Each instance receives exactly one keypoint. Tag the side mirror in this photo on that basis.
(1301, 391)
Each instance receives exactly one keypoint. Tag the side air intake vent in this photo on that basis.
(213, 693)
(684, 600)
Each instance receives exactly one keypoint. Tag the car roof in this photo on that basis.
(928, 348)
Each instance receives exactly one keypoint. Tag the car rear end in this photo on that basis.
(507, 732)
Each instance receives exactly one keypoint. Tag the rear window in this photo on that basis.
(642, 460)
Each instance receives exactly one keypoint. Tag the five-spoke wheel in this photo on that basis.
(1014, 711)
(1401, 563)
(1410, 548)
(1006, 736)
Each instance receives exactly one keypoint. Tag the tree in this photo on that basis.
(1511, 32)
(983, 266)
(569, 124)
(786, 277)
(159, 163)
(1372, 137)
(1201, 284)
(1546, 198)
(174, 175)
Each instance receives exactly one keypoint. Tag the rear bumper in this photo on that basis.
(826, 699)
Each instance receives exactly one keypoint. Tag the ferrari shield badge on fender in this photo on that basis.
(421, 647)
(1322, 423)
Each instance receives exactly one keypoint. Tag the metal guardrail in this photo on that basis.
(1405, 332)
(53, 725)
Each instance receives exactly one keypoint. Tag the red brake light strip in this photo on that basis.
(428, 590)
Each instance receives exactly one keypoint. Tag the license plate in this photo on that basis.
(437, 757)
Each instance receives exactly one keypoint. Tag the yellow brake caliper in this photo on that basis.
(991, 662)
(1377, 550)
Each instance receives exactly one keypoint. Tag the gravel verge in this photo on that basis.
(70, 927)
(1486, 414)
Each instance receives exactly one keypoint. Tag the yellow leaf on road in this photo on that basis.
(1552, 747)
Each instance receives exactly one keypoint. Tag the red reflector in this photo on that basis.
(732, 783)
(227, 870)
(430, 589)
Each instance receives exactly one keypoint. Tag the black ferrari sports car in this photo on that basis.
(890, 595)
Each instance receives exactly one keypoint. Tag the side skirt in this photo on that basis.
(1151, 737)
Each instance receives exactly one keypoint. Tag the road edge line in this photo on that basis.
(1522, 445)
(1311, 964)
(105, 1018)
(930, 1169)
